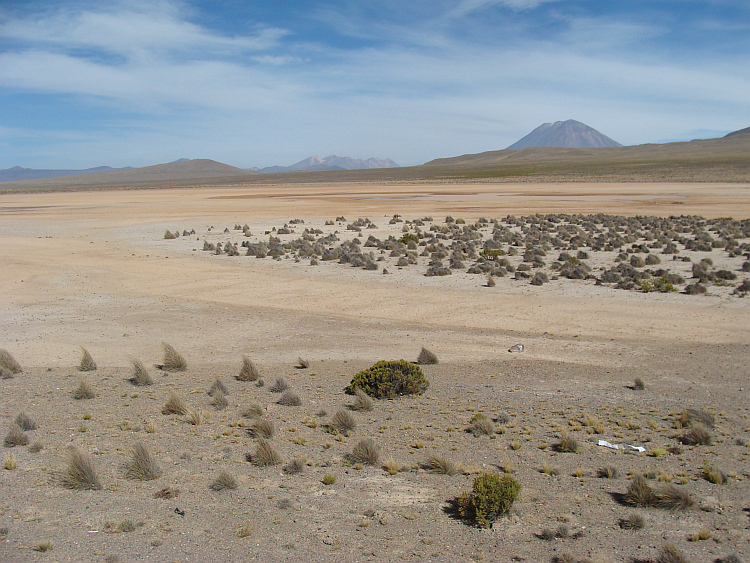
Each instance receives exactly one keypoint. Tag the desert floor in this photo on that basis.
(92, 269)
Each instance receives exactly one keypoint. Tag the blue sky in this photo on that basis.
(259, 83)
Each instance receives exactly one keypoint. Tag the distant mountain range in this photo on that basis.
(17, 173)
(332, 162)
(570, 134)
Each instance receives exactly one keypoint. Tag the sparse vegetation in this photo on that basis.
(670, 554)
(480, 425)
(84, 390)
(142, 465)
(224, 480)
(8, 362)
(568, 443)
(441, 465)
(80, 472)
(632, 522)
(87, 361)
(289, 399)
(173, 360)
(279, 386)
(174, 405)
(140, 375)
(714, 475)
(365, 451)
(342, 422)
(15, 437)
(427, 357)
(248, 371)
(362, 401)
(264, 454)
(261, 428)
(697, 435)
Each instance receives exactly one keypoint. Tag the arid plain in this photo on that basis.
(93, 269)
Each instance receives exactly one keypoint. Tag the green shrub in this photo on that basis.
(491, 496)
(389, 379)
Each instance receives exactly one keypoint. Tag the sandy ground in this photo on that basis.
(92, 269)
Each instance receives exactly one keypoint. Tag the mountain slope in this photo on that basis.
(570, 133)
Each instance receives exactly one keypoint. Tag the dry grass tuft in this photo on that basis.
(80, 473)
(261, 428)
(294, 467)
(365, 451)
(670, 554)
(175, 405)
(714, 475)
(84, 390)
(697, 435)
(219, 401)
(218, 387)
(639, 492)
(5, 373)
(264, 455)
(362, 401)
(391, 466)
(342, 422)
(480, 425)
(142, 466)
(253, 411)
(248, 371)
(632, 522)
(440, 465)
(638, 384)
(195, 416)
(303, 363)
(223, 480)
(173, 360)
(607, 472)
(671, 497)
(10, 462)
(279, 386)
(691, 417)
(43, 546)
(140, 375)
(426, 357)
(25, 421)
(87, 361)
(568, 443)
(9, 362)
(289, 399)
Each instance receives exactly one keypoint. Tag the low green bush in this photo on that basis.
(491, 496)
(389, 379)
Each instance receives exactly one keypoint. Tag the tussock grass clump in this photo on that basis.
(36, 447)
(638, 384)
(8, 362)
(261, 428)
(691, 417)
(608, 472)
(224, 480)
(196, 417)
(218, 387)
(362, 401)
(279, 386)
(639, 492)
(289, 399)
(632, 522)
(246, 530)
(426, 357)
(43, 546)
(253, 411)
(264, 455)
(84, 390)
(342, 422)
(697, 435)
(365, 451)
(491, 496)
(5, 373)
(568, 443)
(391, 466)
(440, 465)
(173, 360)
(248, 371)
(303, 363)
(328, 479)
(25, 421)
(10, 462)
(671, 497)
(670, 554)
(389, 379)
(480, 425)
(714, 475)
(142, 465)
(140, 376)
(219, 401)
(87, 361)
(80, 472)
(294, 467)
(175, 405)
